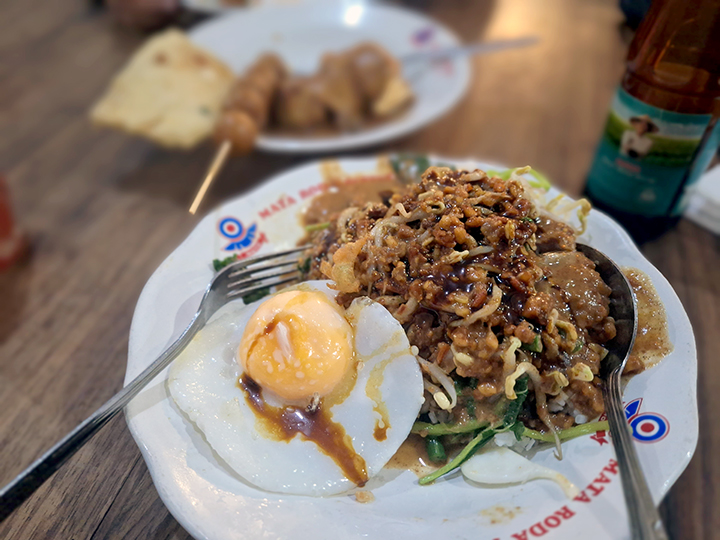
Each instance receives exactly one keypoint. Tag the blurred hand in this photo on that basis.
(143, 14)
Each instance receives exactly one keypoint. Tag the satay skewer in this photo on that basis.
(246, 112)
(215, 167)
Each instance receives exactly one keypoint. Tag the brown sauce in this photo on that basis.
(340, 195)
(582, 287)
(376, 378)
(372, 390)
(364, 497)
(454, 280)
(652, 341)
(411, 456)
(498, 515)
(284, 423)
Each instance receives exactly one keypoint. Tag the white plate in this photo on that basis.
(301, 34)
(211, 502)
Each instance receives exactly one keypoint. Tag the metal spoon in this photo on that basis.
(645, 522)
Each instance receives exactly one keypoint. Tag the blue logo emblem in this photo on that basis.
(646, 427)
(233, 230)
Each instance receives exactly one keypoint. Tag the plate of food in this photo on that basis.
(304, 78)
(437, 360)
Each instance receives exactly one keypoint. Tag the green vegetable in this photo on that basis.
(567, 434)
(505, 175)
(465, 382)
(535, 346)
(484, 435)
(304, 266)
(540, 180)
(515, 405)
(422, 163)
(478, 442)
(457, 438)
(461, 383)
(257, 295)
(317, 226)
(219, 264)
(435, 430)
(470, 406)
(518, 429)
(435, 450)
(409, 167)
(527, 220)
(578, 345)
(448, 165)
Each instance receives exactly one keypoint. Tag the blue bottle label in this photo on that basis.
(647, 156)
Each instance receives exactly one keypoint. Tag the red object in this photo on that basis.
(13, 243)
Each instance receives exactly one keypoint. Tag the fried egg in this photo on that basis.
(298, 395)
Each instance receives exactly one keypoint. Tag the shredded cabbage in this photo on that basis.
(559, 208)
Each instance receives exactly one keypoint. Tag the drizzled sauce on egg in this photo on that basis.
(284, 423)
(372, 390)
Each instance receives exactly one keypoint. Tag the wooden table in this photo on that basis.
(104, 209)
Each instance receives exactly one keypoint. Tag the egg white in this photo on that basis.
(203, 382)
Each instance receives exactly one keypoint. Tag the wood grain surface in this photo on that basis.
(103, 210)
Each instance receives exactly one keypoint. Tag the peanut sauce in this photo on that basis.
(340, 195)
(283, 423)
(652, 341)
(411, 456)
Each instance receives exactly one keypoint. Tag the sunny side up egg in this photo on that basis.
(296, 394)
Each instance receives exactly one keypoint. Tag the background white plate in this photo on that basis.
(211, 502)
(300, 34)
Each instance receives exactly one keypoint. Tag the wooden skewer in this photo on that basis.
(247, 128)
(216, 166)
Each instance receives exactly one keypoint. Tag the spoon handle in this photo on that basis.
(645, 522)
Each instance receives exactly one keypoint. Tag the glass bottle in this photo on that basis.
(663, 127)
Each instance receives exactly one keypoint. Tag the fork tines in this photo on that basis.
(236, 266)
(266, 271)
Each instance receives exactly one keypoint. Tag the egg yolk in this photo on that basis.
(297, 344)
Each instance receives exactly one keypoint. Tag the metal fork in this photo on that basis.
(237, 280)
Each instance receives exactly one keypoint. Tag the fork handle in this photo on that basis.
(25, 484)
(645, 521)
(468, 50)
